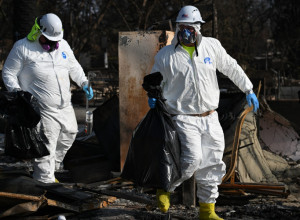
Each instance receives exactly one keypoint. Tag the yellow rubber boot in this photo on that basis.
(163, 200)
(207, 212)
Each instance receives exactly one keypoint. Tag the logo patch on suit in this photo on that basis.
(207, 60)
(64, 55)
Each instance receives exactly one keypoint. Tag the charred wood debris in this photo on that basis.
(23, 198)
(90, 186)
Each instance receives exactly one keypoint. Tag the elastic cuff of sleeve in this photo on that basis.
(84, 84)
(249, 92)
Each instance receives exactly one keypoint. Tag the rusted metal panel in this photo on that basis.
(136, 58)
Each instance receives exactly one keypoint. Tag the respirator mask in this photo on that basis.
(48, 45)
(187, 35)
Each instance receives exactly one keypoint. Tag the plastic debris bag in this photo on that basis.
(21, 107)
(22, 137)
(24, 143)
(153, 159)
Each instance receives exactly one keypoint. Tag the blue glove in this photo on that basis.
(151, 102)
(251, 99)
(88, 92)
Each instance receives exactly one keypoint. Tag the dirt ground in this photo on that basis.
(248, 207)
(258, 208)
(231, 207)
(228, 207)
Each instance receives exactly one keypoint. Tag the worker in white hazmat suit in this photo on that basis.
(42, 64)
(190, 86)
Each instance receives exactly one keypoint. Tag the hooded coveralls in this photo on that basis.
(46, 75)
(190, 86)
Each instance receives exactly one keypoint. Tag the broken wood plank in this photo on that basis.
(21, 196)
(41, 200)
(58, 189)
(33, 203)
(128, 196)
(103, 203)
(108, 184)
(123, 195)
(22, 209)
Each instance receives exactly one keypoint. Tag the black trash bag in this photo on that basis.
(24, 143)
(153, 159)
(21, 107)
(106, 122)
(22, 139)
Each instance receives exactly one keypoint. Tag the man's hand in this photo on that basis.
(252, 99)
(151, 102)
(88, 92)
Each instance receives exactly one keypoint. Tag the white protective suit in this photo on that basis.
(191, 87)
(46, 75)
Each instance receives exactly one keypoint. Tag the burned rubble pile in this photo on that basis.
(90, 186)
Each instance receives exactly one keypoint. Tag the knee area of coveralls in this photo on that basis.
(64, 143)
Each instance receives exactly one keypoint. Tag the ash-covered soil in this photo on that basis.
(228, 207)
(231, 207)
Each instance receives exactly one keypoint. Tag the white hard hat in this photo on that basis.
(51, 27)
(189, 14)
